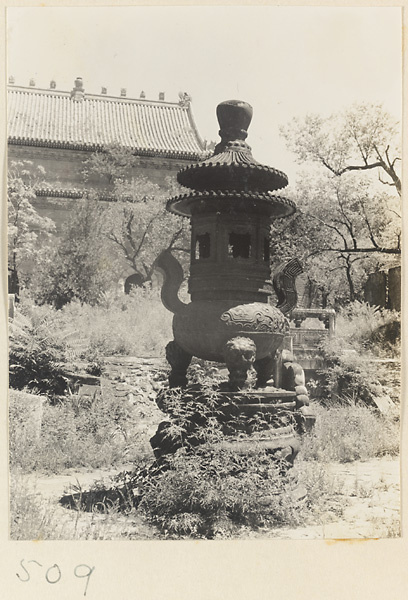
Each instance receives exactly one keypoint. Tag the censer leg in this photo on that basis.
(179, 361)
(264, 368)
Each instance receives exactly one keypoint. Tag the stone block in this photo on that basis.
(300, 377)
(25, 414)
(309, 418)
(300, 389)
(302, 400)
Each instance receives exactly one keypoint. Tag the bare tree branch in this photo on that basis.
(340, 172)
(379, 249)
(146, 231)
(389, 169)
(370, 231)
(329, 226)
(129, 233)
(186, 250)
(348, 223)
(174, 238)
(384, 182)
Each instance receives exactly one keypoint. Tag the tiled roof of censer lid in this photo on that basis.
(226, 170)
(263, 202)
(232, 165)
(76, 120)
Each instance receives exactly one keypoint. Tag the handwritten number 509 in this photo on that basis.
(53, 573)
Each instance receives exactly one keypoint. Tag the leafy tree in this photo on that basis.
(136, 221)
(133, 228)
(29, 234)
(362, 138)
(347, 224)
(140, 227)
(82, 265)
(109, 164)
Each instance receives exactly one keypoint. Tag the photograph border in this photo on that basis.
(366, 569)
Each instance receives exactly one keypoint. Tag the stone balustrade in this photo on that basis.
(306, 335)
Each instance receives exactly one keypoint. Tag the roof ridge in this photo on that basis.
(34, 90)
(103, 97)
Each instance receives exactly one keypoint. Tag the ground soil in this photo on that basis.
(371, 493)
(370, 490)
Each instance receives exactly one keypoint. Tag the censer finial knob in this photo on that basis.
(232, 167)
(234, 118)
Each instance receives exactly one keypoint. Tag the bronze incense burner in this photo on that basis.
(230, 320)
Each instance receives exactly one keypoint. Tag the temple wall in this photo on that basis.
(64, 169)
(66, 166)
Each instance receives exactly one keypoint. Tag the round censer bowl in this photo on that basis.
(203, 328)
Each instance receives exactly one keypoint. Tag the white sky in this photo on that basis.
(285, 61)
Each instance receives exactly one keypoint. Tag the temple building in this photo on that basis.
(59, 130)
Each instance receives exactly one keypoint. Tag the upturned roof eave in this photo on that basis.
(150, 152)
(194, 127)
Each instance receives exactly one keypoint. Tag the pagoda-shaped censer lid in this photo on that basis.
(232, 172)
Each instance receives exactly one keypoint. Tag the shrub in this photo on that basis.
(83, 262)
(134, 324)
(349, 374)
(25, 419)
(36, 355)
(350, 432)
(206, 488)
(372, 328)
(362, 335)
(214, 492)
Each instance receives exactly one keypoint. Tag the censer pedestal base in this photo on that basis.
(246, 422)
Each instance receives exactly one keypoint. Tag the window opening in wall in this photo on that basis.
(266, 251)
(239, 245)
(202, 246)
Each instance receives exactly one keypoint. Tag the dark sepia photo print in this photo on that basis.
(204, 242)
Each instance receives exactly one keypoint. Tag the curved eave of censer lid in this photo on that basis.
(267, 204)
(227, 170)
(232, 166)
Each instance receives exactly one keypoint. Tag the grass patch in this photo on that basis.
(205, 509)
(136, 324)
(349, 433)
(208, 493)
(34, 517)
(95, 433)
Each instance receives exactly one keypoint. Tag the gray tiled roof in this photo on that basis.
(53, 119)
